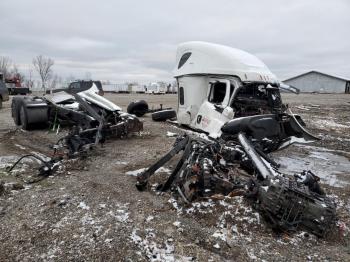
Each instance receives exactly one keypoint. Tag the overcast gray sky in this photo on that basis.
(136, 40)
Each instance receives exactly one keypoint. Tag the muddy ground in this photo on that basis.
(91, 210)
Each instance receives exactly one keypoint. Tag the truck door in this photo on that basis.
(215, 111)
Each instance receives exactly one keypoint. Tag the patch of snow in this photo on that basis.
(305, 108)
(329, 124)
(120, 163)
(177, 223)
(82, 205)
(6, 161)
(136, 172)
(108, 240)
(294, 140)
(171, 134)
(251, 255)
(163, 170)
(20, 147)
(87, 220)
(326, 165)
(151, 249)
(175, 205)
(149, 218)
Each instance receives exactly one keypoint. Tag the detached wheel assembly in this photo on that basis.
(164, 115)
(138, 108)
(29, 112)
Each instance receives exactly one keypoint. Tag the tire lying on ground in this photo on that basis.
(138, 108)
(164, 115)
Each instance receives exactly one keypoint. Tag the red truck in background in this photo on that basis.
(14, 86)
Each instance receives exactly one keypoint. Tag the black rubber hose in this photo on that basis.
(25, 156)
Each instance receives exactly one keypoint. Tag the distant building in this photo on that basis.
(317, 82)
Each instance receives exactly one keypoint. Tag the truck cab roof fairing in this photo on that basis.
(207, 58)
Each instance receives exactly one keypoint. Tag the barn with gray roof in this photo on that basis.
(317, 82)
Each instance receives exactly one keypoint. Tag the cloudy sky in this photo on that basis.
(136, 40)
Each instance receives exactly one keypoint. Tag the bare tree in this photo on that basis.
(5, 64)
(43, 66)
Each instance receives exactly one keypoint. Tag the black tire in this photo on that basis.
(15, 108)
(164, 115)
(138, 108)
(23, 115)
(0, 102)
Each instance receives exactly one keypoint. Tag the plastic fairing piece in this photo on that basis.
(92, 96)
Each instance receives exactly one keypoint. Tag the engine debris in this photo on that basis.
(230, 168)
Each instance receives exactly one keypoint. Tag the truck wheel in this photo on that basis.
(0, 102)
(164, 115)
(23, 115)
(138, 108)
(15, 108)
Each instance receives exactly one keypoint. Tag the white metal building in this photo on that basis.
(317, 82)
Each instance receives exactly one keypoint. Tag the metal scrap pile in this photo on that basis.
(210, 167)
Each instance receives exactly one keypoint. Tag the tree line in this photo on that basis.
(41, 65)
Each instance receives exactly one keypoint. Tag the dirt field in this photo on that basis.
(92, 211)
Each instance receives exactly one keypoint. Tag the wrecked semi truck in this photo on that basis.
(91, 117)
(223, 90)
(234, 98)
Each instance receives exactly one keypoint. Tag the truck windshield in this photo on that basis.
(256, 99)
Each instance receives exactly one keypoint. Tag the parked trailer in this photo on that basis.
(115, 88)
(156, 88)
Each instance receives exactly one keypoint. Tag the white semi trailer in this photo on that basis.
(158, 88)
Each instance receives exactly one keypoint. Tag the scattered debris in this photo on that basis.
(92, 119)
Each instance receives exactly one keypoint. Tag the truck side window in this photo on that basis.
(181, 95)
(183, 59)
(217, 92)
